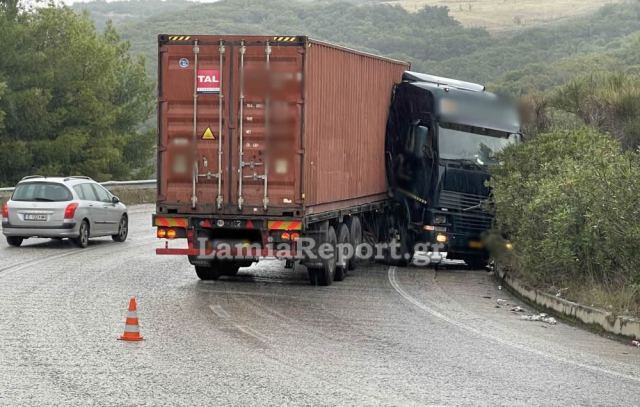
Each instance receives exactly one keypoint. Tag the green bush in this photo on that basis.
(570, 203)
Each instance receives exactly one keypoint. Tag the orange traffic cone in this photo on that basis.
(131, 328)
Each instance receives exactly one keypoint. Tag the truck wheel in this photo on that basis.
(207, 273)
(397, 235)
(217, 268)
(355, 233)
(342, 262)
(406, 247)
(324, 275)
(476, 262)
(14, 241)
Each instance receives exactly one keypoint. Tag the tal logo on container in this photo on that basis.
(208, 81)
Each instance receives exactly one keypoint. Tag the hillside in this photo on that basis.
(430, 38)
(502, 15)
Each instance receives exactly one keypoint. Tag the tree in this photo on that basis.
(75, 98)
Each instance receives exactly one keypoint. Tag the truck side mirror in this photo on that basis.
(422, 142)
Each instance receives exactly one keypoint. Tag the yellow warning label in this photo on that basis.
(208, 134)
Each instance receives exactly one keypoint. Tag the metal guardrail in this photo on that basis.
(139, 184)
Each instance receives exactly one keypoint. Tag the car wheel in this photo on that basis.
(83, 235)
(123, 230)
(15, 241)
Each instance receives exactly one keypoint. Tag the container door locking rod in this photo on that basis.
(241, 164)
(267, 104)
(219, 199)
(194, 147)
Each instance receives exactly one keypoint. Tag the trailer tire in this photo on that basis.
(355, 233)
(207, 273)
(216, 269)
(325, 274)
(342, 264)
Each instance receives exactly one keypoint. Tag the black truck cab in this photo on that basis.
(442, 136)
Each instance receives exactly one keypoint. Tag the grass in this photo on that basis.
(505, 15)
(623, 300)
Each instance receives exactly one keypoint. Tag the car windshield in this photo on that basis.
(41, 192)
(467, 143)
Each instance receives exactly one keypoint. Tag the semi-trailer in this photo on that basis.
(268, 142)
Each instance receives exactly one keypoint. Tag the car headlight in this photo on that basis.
(439, 219)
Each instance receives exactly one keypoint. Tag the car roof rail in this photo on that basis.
(78, 177)
(32, 176)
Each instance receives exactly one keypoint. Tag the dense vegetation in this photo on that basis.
(582, 228)
(71, 99)
(578, 181)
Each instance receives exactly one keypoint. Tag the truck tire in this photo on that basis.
(342, 264)
(324, 275)
(476, 262)
(207, 273)
(14, 241)
(217, 268)
(397, 233)
(355, 233)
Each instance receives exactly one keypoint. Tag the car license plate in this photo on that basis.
(31, 216)
(474, 244)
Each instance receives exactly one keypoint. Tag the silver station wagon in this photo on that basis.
(54, 207)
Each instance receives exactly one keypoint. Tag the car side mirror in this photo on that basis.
(115, 199)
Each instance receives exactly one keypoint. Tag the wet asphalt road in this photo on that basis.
(384, 336)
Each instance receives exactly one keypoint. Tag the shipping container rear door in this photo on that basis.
(193, 125)
(230, 124)
(268, 98)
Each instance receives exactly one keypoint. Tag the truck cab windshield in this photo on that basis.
(472, 144)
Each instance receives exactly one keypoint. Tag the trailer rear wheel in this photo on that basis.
(207, 273)
(355, 233)
(325, 274)
(342, 262)
(217, 268)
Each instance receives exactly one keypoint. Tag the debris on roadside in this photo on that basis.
(635, 343)
(542, 317)
(518, 308)
(561, 291)
(500, 301)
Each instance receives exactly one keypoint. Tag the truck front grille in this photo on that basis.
(467, 211)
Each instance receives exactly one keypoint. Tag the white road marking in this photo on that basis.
(252, 332)
(219, 311)
(396, 286)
